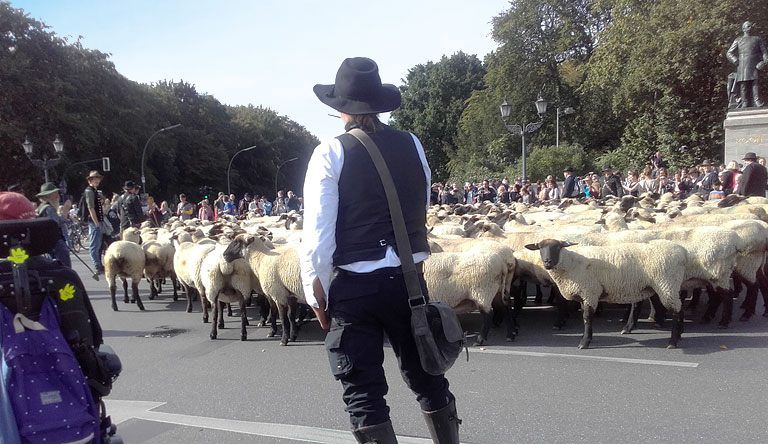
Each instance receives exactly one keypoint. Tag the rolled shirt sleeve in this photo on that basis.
(321, 204)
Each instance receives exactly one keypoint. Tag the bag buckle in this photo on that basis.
(383, 243)
(416, 301)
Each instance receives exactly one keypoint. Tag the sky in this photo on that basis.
(270, 52)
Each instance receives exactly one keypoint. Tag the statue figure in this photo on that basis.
(750, 55)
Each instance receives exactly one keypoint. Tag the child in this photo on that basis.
(717, 193)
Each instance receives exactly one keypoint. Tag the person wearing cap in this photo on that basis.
(611, 184)
(95, 219)
(49, 203)
(347, 226)
(569, 185)
(129, 207)
(704, 183)
(753, 177)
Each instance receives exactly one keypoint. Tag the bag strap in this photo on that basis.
(22, 323)
(410, 274)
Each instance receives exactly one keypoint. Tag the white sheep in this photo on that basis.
(623, 274)
(124, 259)
(470, 280)
(226, 278)
(186, 263)
(159, 265)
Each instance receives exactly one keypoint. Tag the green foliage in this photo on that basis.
(544, 160)
(51, 86)
(434, 96)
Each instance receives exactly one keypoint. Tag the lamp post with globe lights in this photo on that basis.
(522, 130)
(45, 163)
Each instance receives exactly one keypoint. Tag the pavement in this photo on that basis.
(178, 386)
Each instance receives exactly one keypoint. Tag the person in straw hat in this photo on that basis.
(49, 204)
(347, 226)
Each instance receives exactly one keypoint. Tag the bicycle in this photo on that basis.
(75, 232)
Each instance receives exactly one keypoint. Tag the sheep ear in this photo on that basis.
(532, 246)
(569, 244)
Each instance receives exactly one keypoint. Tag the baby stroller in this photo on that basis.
(28, 278)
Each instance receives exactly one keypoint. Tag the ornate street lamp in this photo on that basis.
(45, 163)
(522, 130)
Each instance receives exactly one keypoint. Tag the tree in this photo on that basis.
(434, 96)
(546, 160)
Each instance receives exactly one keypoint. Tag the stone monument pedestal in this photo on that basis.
(746, 131)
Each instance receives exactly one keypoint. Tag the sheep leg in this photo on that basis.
(563, 308)
(188, 292)
(727, 299)
(539, 295)
(125, 290)
(152, 289)
(135, 291)
(283, 310)
(175, 293)
(263, 310)
(510, 319)
(216, 314)
(204, 306)
(713, 303)
(112, 291)
(484, 328)
(243, 320)
(677, 327)
(762, 277)
(629, 310)
(293, 308)
(273, 313)
(658, 311)
(632, 316)
(589, 313)
(695, 298)
(229, 310)
(221, 312)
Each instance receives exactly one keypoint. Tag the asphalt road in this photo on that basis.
(178, 386)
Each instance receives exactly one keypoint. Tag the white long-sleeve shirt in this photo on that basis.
(321, 206)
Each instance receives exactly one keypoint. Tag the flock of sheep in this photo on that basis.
(484, 256)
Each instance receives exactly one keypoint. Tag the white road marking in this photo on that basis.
(588, 358)
(122, 411)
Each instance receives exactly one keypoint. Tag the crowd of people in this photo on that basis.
(713, 181)
(107, 216)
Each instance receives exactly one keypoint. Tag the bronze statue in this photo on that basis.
(749, 54)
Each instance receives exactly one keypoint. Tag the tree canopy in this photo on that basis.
(51, 86)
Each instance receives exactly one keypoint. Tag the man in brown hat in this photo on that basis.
(347, 227)
(753, 178)
(95, 218)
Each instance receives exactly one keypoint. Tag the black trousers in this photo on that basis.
(363, 308)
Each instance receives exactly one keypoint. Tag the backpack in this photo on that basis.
(44, 377)
(82, 210)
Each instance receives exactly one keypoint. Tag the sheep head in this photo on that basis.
(549, 249)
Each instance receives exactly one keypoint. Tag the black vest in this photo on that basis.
(363, 225)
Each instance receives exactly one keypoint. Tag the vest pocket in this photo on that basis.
(341, 365)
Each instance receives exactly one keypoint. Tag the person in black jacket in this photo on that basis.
(569, 185)
(129, 207)
(611, 184)
(754, 177)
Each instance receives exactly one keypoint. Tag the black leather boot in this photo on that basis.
(443, 424)
(377, 434)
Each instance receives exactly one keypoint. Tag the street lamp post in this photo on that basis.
(278, 170)
(522, 130)
(144, 152)
(566, 111)
(45, 162)
(229, 191)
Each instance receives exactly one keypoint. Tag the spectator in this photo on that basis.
(486, 193)
(242, 209)
(167, 213)
(569, 185)
(754, 177)
(470, 193)
(218, 205)
(185, 210)
(664, 184)
(704, 182)
(553, 192)
(95, 219)
(267, 205)
(278, 207)
(255, 207)
(230, 208)
(631, 184)
(206, 211)
(594, 187)
(611, 184)
(717, 193)
(292, 203)
(49, 203)
(129, 206)
(153, 213)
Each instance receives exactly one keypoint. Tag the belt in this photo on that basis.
(380, 271)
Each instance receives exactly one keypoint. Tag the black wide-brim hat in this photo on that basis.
(358, 89)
